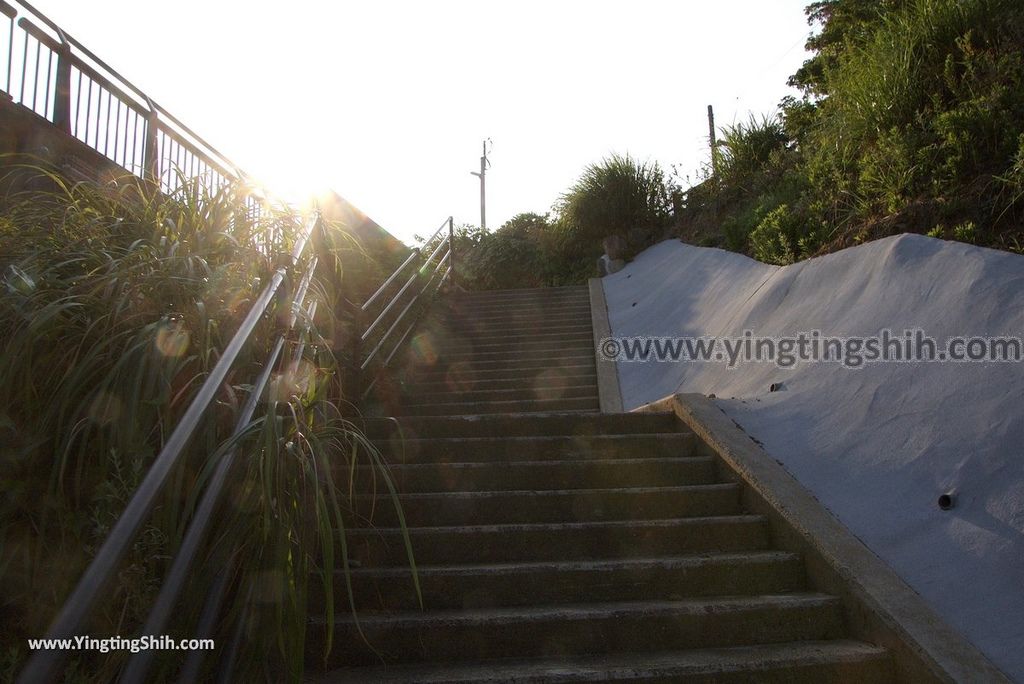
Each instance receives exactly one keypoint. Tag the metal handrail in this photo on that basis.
(43, 663)
(390, 305)
(131, 130)
(401, 340)
(125, 82)
(437, 249)
(364, 362)
(147, 141)
(380, 290)
(170, 590)
(412, 257)
(398, 319)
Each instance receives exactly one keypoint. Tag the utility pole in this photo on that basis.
(711, 138)
(484, 164)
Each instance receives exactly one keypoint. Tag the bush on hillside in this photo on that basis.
(521, 253)
(617, 196)
(912, 117)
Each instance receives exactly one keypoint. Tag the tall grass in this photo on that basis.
(746, 149)
(911, 121)
(927, 110)
(618, 195)
(115, 302)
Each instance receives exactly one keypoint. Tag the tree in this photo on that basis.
(844, 23)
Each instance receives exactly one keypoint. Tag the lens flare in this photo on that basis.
(424, 349)
(172, 338)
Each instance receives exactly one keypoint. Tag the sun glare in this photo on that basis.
(294, 180)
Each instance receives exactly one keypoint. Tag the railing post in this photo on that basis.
(150, 154)
(451, 247)
(355, 375)
(62, 88)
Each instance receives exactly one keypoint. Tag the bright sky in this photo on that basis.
(387, 102)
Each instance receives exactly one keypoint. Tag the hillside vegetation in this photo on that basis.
(115, 304)
(910, 118)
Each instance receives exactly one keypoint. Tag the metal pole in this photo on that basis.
(150, 150)
(711, 138)
(482, 176)
(483, 193)
(62, 88)
(451, 247)
(354, 390)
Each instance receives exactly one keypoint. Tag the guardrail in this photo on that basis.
(394, 319)
(58, 78)
(44, 664)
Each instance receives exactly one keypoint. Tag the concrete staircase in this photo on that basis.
(504, 352)
(567, 546)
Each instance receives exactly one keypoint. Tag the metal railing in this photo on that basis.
(417, 279)
(395, 313)
(44, 664)
(57, 78)
(62, 81)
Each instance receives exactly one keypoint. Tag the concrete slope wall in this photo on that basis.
(877, 444)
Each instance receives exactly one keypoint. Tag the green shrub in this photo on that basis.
(966, 232)
(746, 151)
(929, 106)
(912, 117)
(519, 254)
(891, 173)
(775, 240)
(617, 196)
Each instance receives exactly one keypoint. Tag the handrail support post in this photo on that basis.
(150, 153)
(62, 89)
(451, 247)
(355, 373)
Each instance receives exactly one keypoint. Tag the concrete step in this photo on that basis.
(464, 307)
(618, 539)
(536, 425)
(553, 582)
(466, 303)
(522, 292)
(824, 662)
(534, 361)
(439, 393)
(539, 631)
(539, 475)
(473, 408)
(487, 336)
(514, 356)
(518, 302)
(578, 291)
(472, 309)
(465, 373)
(554, 505)
(476, 309)
(581, 295)
(517, 317)
(539, 386)
(474, 330)
(546, 448)
(583, 338)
